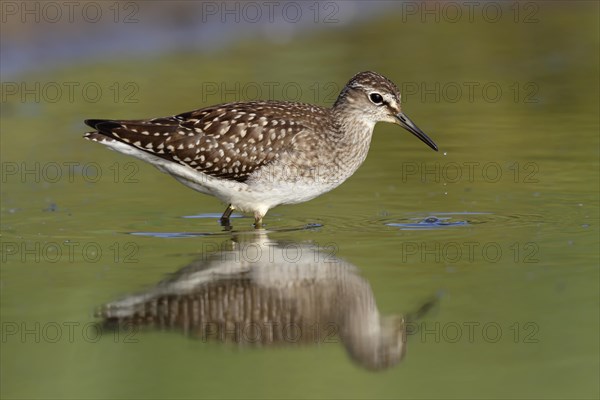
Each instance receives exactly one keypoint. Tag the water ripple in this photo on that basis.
(226, 231)
(443, 220)
(430, 222)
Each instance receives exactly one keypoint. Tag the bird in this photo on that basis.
(273, 299)
(257, 155)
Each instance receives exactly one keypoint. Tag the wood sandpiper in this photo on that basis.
(260, 154)
(274, 299)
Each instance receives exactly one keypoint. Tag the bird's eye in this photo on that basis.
(376, 98)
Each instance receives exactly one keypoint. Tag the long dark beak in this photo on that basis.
(410, 126)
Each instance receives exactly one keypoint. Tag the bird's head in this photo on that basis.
(377, 99)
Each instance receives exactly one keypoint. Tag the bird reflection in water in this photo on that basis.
(260, 292)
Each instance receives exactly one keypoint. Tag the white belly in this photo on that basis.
(257, 195)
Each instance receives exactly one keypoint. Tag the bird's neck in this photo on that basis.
(355, 133)
(351, 117)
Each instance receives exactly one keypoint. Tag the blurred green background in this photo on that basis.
(508, 90)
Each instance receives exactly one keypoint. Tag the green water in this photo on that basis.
(513, 273)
